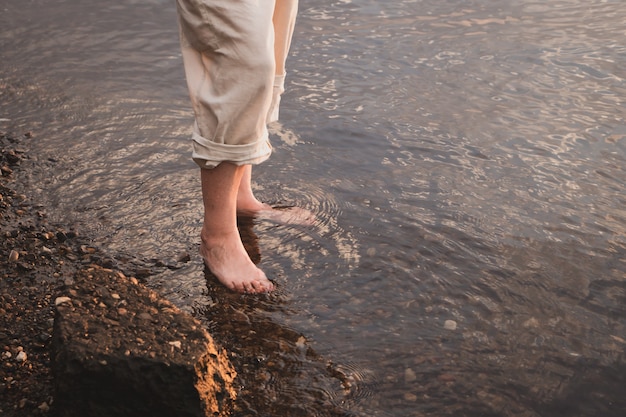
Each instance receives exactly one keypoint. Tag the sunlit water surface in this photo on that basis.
(466, 161)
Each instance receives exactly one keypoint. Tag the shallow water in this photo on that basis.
(465, 161)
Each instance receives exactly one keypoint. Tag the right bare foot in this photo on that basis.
(228, 260)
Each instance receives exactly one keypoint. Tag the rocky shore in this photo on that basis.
(78, 337)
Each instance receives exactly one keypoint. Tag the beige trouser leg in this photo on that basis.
(234, 54)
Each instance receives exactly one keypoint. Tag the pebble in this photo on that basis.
(409, 375)
(6, 170)
(21, 357)
(176, 344)
(410, 397)
(531, 323)
(449, 325)
(14, 256)
(446, 378)
(145, 316)
(60, 300)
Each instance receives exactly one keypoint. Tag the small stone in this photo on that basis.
(14, 256)
(61, 300)
(21, 357)
(87, 250)
(301, 342)
(446, 378)
(409, 375)
(6, 171)
(410, 397)
(531, 323)
(145, 316)
(176, 344)
(449, 325)
(44, 407)
(115, 296)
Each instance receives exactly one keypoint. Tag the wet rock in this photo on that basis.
(165, 366)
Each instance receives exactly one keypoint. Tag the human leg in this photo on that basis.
(230, 62)
(283, 20)
(228, 56)
(221, 247)
(247, 203)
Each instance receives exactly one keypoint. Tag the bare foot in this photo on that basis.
(248, 205)
(227, 259)
(287, 215)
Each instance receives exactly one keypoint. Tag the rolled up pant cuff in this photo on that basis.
(208, 154)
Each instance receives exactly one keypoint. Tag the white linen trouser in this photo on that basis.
(234, 53)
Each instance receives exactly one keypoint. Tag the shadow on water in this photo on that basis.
(596, 390)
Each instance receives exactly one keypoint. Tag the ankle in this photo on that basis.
(214, 237)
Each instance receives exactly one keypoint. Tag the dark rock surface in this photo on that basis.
(118, 349)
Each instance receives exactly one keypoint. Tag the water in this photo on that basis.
(465, 160)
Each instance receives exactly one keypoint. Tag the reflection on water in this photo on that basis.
(465, 161)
